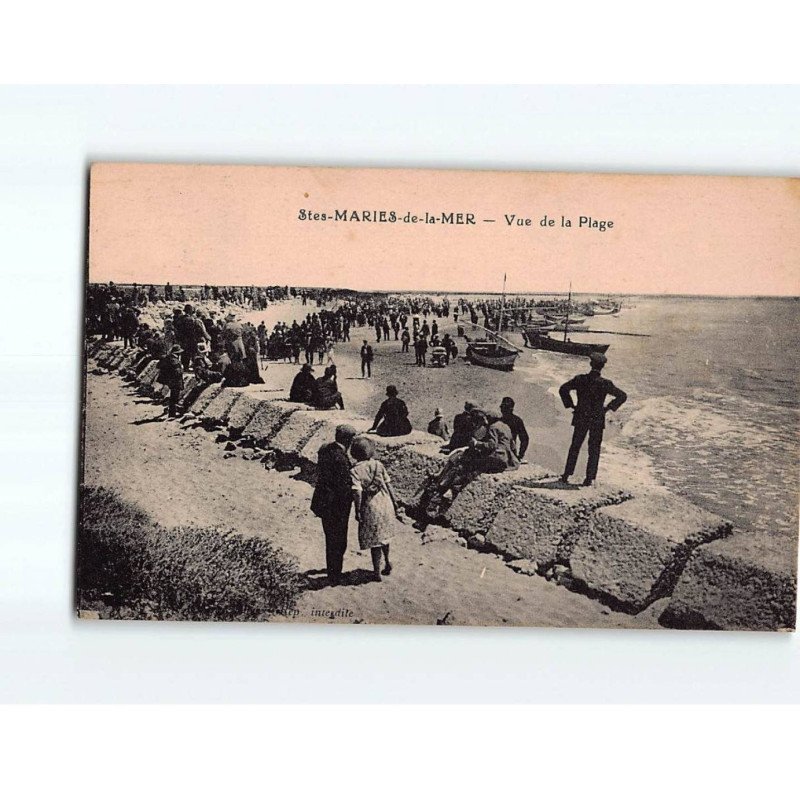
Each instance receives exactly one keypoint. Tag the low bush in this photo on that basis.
(135, 568)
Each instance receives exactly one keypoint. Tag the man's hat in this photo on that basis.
(306, 368)
(202, 347)
(438, 412)
(469, 405)
(597, 359)
(231, 316)
(176, 348)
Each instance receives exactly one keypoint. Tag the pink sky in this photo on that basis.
(238, 225)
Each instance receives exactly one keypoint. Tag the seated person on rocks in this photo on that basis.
(303, 386)
(326, 391)
(203, 369)
(438, 427)
(463, 428)
(519, 434)
(489, 451)
(236, 373)
(392, 416)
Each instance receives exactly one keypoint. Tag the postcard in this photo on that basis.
(440, 397)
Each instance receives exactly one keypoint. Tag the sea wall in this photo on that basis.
(627, 547)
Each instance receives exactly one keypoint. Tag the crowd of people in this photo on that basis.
(216, 346)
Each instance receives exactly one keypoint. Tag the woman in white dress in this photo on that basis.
(375, 504)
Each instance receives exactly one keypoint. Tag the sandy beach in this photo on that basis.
(182, 478)
(533, 385)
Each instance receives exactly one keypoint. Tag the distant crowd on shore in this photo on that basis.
(216, 346)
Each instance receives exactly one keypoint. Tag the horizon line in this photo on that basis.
(461, 292)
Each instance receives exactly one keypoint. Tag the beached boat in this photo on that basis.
(495, 355)
(541, 341)
(562, 318)
(570, 327)
(544, 342)
(539, 323)
(493, 351)
(607, 306)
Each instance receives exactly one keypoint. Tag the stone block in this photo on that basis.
(116, 359)
(268, 419)
(217, 411)
(435, 533)
(205, 397)
(737, 584)
(633, 553)
(541, 523)
(189, 385)
(108, 356)
(242, 411)
(325, 432)
(386, 445)
(524, 566)
(479, 502)
(129, 358)
(296, 431)
(148, 375)
(142, 363)
(95, 347)
(411, 466)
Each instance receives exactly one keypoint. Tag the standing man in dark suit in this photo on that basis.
(589, 416)
(332, 499)
(366, 360)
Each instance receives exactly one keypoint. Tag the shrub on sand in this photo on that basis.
(142, 570)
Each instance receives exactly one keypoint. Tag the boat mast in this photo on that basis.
(569, 306)
(502, 306)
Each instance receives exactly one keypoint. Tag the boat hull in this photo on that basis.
(569, 348)
(491, 356)
(576, 328)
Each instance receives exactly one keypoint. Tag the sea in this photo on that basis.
(713, 399)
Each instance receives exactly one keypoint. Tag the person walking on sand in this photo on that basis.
(366, 360)
(333, 498)
(170, 373)
(375, 504)
(589, 415)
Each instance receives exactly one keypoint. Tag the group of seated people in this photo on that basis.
(481, 442)
(322, 393)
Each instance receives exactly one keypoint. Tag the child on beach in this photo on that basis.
(375, 504)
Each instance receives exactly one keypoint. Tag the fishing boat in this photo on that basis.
(600, 310)
(493, 354)
(562, 318)
(607, 306)
(541, 341)
(570, 327)
(493, 351)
